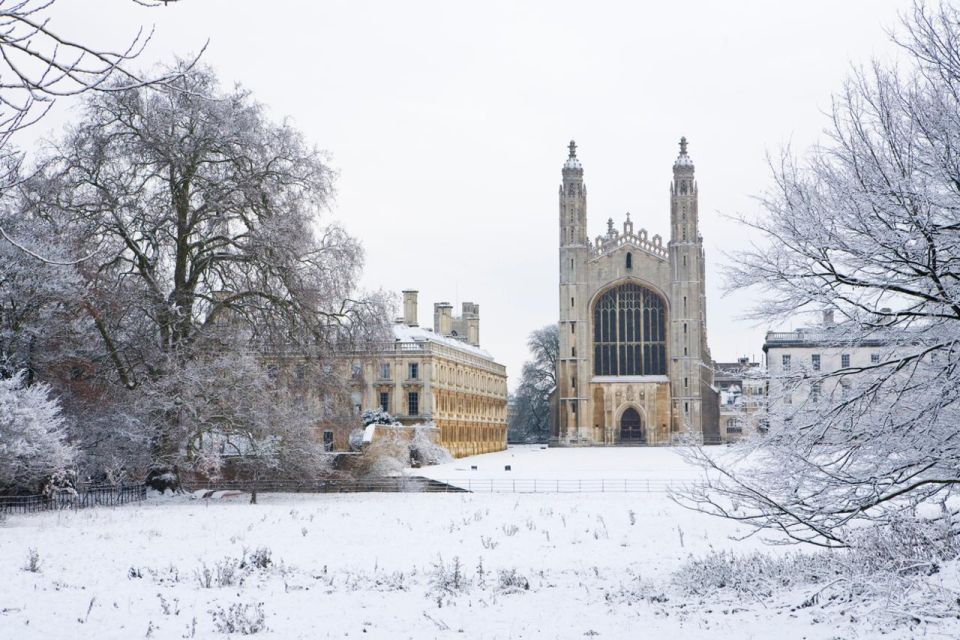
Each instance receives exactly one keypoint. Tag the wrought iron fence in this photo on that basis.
(80, 498)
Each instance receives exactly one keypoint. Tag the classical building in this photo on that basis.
(634, 365)
(440, 376)
(797, 360)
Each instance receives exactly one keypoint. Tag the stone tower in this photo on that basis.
(633, 364)
(574, 252)
(691, 376)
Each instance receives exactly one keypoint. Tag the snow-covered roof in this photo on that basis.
(403, 333)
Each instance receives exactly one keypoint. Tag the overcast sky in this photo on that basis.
(448, 122)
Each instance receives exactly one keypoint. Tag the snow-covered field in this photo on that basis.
(661, 465)
(394, 565)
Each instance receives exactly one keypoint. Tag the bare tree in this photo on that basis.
(203, 222)
(867, 226)
(38, 65)
(531, 415)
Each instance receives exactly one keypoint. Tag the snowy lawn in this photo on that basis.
(529, 462)
(392, 566)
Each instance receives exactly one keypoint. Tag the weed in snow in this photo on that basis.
(509, 581)
(32, 563)
(245, 619)
(224, 573)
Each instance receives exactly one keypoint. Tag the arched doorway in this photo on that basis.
(631, 427)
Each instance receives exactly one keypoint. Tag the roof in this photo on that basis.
(404, 333)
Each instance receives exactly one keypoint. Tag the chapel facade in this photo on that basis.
(634, 366)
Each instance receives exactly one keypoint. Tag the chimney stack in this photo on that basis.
(471, 318)
(828, 317)
(410, 308)
(443, 318)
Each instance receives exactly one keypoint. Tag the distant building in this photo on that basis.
(742, 391)
(440, 376)
(634, 364)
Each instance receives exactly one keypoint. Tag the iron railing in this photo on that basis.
(79, 498)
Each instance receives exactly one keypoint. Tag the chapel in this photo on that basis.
(634, 366)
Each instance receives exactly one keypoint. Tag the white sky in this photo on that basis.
(448, 122)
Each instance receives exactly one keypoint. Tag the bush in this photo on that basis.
(376, 416)
(509, 581)
(424, 451)
(33, 436)
(448, 579)
(895, 563)
(261, 559)
(387, 456)
(245, 619)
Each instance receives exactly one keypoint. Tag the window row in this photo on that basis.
(816, 361)
(412, 408)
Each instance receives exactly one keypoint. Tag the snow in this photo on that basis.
(529, 462)
(366, 565)
(403, 333)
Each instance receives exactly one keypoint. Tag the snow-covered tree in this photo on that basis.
(530, 420)
(230, 409)
(39, 66)
(33, 444)
(202, 222)
(866, 225)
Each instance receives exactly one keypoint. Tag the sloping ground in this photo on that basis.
(630, 468)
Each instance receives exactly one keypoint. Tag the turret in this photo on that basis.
(684, 225)
(574, 253)
(573, 201)
(690, 371)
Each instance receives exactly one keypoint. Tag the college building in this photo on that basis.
(439, 376)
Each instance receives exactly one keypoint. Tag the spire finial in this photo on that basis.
(573, 149)
(610, 225)
(683, 146)
(628, 216)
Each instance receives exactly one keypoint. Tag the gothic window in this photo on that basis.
(629, 332)
(629, 261)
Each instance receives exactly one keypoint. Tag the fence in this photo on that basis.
(406, 484)
(84, 496)
(419, 484)
(509, 485)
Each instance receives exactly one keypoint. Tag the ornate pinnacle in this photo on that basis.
(610, 225)
(573, 149)
(683, 146)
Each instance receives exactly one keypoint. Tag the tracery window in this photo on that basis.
(629, 333)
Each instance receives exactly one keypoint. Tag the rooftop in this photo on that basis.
(403, 333)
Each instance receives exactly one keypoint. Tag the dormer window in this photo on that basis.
(629, 261)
